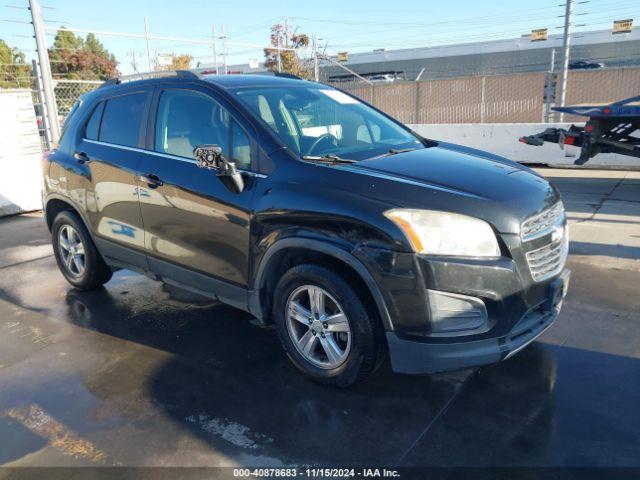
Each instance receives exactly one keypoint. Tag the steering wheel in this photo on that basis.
(323, 138)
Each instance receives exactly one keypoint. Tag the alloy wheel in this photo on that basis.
(318, 326)
(72, 251)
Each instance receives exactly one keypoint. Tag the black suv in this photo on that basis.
(309, 208)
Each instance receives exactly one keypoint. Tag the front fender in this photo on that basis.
(325, 247)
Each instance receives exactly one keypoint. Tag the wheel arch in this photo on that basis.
(289, 252)
(55, 204)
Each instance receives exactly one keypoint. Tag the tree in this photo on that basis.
(178, 62)
(14, 71)
(73, 57)
(289, 59)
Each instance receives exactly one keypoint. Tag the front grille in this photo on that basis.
(542, 223)
(547, 261)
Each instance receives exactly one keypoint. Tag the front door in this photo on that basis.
(196, 225)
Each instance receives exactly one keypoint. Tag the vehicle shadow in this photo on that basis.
(614, 251)
(229, 383)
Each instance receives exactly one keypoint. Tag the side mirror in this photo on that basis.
(210, 157)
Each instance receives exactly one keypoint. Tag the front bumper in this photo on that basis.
(415, 357)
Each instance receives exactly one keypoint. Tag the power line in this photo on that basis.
(9, 20)
(248, 29)
(441, 42)
(434, 38)
(429, 23)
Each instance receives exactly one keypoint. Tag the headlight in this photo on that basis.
(443, 233)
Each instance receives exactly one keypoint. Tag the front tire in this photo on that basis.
(324, 327)
(76, 254)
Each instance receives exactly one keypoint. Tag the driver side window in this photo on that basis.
(316, 119)
(187, 119)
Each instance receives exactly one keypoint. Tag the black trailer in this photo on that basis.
(613, 128)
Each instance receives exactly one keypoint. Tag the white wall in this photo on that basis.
(502, 139)
(20, 151)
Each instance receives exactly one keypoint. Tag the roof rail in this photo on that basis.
(149, 75)
(275, 74)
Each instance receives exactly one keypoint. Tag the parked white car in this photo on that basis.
(386, 78)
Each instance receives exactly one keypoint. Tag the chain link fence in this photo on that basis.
(67, 93)
(520, 98)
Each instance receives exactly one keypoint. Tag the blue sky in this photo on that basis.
(352, 26)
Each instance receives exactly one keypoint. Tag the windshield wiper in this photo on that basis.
(393, 151)
(329, 158)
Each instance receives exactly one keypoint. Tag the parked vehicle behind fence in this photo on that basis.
(310, 209)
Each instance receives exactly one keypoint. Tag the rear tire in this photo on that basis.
(324, 327)
(76, 254)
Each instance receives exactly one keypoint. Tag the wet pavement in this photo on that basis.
(140, 373)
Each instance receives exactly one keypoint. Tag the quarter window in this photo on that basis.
(93, 125)
(187, 119)
(121, 120)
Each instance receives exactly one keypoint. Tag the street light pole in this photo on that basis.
(45, 70)
(566, 47)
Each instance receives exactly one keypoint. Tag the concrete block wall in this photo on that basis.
(20, 151)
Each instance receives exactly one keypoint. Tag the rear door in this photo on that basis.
(110, 150)
(197, 227)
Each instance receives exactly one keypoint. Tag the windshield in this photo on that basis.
(315, 121)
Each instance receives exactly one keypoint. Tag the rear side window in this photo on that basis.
(93, 125)
(69, 117)
(121, 120)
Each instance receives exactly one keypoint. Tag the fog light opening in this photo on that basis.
(452, 313)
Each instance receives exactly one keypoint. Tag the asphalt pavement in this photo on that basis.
(142, 374)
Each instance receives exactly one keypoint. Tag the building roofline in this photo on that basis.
(491, 46)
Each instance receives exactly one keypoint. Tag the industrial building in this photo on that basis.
(507, 56)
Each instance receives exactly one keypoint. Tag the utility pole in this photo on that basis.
(134, 62)
(147, 37)
(45, 70)
(224, 51)
(278, 45)
(45, 121)
(215, 49)
(566, 47)
(286, 32)
(316, 66)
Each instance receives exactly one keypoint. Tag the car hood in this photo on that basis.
(465, 180)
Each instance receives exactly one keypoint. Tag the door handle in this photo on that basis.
(81, 157)
(152, 180)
